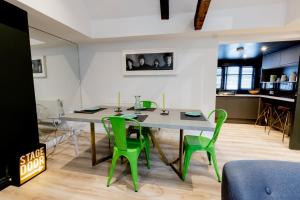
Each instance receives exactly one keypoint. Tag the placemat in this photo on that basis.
(89, 111)
(140, 118)
(146, 109)
(183, 116)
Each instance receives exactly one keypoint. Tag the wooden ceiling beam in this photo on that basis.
(164, 9)
(201, 11)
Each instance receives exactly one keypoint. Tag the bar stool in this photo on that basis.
(265, 115)
(281, 120)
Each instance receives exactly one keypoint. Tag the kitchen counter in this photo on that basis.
(244, 108)
(240, 108)
(259, 96)
(238, 95)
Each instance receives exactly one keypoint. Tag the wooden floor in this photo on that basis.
(73, 178)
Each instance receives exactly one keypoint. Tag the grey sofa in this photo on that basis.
(261, 179)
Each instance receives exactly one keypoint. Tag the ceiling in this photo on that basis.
(40, 39)
(229, 4)
(109, 20)
(252, 50)
(104, 9)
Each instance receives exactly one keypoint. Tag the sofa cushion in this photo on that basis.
(261, 179)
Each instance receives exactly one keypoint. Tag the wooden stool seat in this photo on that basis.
(283, 108)
(267, 104)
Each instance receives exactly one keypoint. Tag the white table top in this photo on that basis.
(154, 119)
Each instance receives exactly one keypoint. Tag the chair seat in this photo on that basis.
(134, 144)
(283, 108)
(267, 105)
(134, 141)
(196, 142)
(144, 129)
(135, 129)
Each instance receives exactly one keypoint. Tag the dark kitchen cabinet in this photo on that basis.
(271, 60)
(290, 56)
(282, 58)
(245, 112)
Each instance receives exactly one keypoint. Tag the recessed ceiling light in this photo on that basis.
(245, 56)
(264, 48)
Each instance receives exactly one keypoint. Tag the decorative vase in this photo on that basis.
(293, 77)
(137, 104)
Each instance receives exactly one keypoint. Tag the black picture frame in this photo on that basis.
(149, 62)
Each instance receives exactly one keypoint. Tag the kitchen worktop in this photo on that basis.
(238, 95)
(259, 96)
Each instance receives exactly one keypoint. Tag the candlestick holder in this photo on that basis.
(118, 109)
(164, 112)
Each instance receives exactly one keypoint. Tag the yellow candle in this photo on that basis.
(164, 101)
(119, 98)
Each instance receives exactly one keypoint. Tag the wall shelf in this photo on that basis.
(279, 82)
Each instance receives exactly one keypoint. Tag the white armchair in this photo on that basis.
(49, 114)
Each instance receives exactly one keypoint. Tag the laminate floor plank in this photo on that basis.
(70, 177)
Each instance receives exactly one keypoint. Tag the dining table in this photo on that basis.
(152, 118)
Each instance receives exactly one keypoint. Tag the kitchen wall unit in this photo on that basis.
(290, 56)
(282, 58)
(271, 60)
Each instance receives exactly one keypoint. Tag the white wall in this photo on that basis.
(192, 87)
(71, 13)
(62, 81)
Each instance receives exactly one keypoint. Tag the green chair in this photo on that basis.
(148, 104)
(126, 147)
(145, 130)
(201, 143)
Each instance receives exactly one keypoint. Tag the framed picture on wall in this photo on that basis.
(39, 67)
(149, 62)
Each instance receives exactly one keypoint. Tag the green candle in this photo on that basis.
(164, 101)
(119, 98)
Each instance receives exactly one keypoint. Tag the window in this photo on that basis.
(247, 78)
(219, 77)
(235, 78)
(232, 78)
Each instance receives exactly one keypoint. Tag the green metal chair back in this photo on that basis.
(221, 118)
(149, 104)
(119, 130)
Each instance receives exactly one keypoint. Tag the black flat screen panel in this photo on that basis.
(18, 124)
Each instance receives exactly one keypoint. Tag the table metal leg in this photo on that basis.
(93, 147)
(179, 160)
(93, 143)
(180, 151)
(157, 146)
(178, 170)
